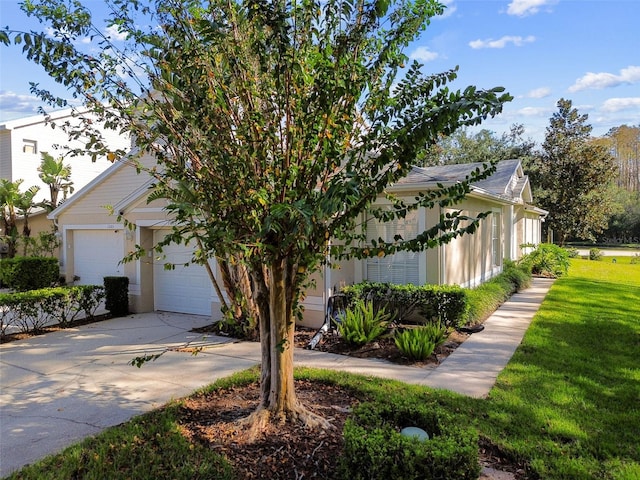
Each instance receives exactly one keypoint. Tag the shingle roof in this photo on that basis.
(500, 183)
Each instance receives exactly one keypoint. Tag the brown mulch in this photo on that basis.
(282, 451)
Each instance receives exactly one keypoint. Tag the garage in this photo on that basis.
(97, 254)
(183, 289)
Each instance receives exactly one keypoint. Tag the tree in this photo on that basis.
(624, 142)
(14, 202)
(275, 126)
(573, 176)
(57, 176)
(482, 146)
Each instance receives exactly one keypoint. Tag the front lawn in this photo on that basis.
(568, 403)
(566, 407)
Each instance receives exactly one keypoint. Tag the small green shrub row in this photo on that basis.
(29, 273)
(361, 324)
(35, 309)
(375, 449)
(486, 298)
(418, 344)
(444, 304)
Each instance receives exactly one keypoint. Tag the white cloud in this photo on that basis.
(518, 41)
(423, 54)
(533, 112)
(628, 76)
(113, 33)
(522, 8)
(541, 92)
(16, 103)
(451, 8)
(618, 104)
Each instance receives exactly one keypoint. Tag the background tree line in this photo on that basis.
(590, 185)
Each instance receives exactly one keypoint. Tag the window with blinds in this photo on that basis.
(402, 267)
(496, 239)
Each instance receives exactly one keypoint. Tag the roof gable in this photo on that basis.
(508, 181)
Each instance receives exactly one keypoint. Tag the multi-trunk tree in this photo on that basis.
(275, 125)
(573, 176)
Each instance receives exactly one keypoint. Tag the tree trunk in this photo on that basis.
(274, 289)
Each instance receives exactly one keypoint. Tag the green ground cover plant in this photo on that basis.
(566, 406)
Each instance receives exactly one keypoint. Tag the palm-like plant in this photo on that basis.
(58, 176)
(24, 204)
(9, 197)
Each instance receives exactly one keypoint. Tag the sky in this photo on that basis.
(587, 51)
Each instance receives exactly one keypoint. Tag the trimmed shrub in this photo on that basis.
(595, 254)
(374, 448)
(547, 259)
(29, 273)
(361, 324)
(418, 344)
(445, 304)
(117, 295)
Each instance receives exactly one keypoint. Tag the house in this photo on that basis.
(94, 242)
(23, 140)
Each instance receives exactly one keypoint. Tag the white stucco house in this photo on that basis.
(94, 243)
(23, 140)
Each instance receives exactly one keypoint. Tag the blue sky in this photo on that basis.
(587, 51)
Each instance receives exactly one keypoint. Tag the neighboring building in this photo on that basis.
(94, 242)
(23, 140)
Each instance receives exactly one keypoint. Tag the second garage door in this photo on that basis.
(184, 289)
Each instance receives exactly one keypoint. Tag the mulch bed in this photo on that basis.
(283, 451)
(11, 337)
(384, 348)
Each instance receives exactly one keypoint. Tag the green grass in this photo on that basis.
(568, 403)
(567, 406)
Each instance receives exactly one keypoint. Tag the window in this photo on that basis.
(496, 239)
(402, 267)
(29, 146)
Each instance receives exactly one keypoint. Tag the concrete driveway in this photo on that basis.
(62, 387)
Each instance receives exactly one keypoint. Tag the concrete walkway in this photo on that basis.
(59, 388)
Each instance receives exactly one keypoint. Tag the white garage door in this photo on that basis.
(184, 289)
(96, 254)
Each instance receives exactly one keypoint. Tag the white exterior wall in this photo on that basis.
(16, 164)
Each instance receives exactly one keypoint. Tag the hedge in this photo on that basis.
(36, 309)
(445, 304)
(29, 273)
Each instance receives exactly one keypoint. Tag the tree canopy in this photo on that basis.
(573, 176)
(275, 126)
(482, 146)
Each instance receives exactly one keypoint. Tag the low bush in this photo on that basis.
(375, 449)
(548, 260)
(117, 295)
(361, 324)
(418, 344)
(29, 273)
(595, 254)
